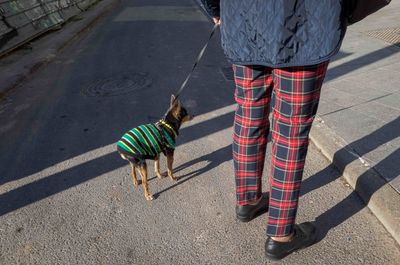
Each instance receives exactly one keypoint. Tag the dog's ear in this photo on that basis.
(173, 98)
(175, 107)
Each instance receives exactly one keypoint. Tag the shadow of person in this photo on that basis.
(214, 159)
(347, 208)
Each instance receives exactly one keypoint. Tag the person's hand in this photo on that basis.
(217, 20)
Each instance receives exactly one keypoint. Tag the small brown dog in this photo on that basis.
(148, 141)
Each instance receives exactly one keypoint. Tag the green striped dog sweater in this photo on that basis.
(146, 141)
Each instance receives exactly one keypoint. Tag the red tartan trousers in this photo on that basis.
(293, 93)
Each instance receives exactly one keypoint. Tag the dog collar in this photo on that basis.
(169, 127)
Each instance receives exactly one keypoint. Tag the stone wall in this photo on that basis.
(23, 20)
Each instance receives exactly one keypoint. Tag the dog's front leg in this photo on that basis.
(170, 161)
(157, 167)
(143, 173)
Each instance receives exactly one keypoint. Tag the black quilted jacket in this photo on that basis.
(280, 33)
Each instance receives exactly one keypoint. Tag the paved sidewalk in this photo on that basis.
(362, 93)
(359, 114)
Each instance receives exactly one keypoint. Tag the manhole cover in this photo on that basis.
(391, 35)
(117, 86)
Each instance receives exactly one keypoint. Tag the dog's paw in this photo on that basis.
(173, 178)
(137, 183)
(149, 197)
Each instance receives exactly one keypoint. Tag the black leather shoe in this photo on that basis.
(247, 213)
(304, 236)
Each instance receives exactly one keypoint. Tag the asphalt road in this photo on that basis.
(66, 197)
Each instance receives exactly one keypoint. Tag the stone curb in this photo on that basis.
(378, 195)
(46, 51)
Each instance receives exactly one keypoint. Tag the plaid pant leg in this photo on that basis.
(251, 128)
(296, 92)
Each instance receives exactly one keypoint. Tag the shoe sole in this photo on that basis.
(280, 257)
(244, 219)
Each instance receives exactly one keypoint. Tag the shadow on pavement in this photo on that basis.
(346, 208)
(358, 63)
(214, 159)
(65, 123)
(43, 188)
(53, 184)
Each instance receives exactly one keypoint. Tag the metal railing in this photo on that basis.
(22, 20)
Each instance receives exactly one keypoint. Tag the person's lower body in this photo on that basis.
(294, 93)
